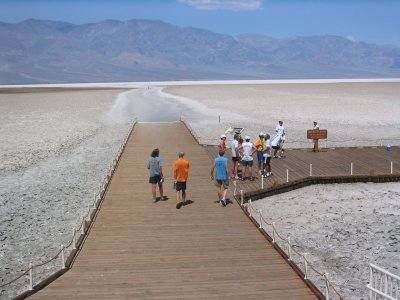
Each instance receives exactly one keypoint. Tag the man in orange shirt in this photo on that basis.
(181, 172)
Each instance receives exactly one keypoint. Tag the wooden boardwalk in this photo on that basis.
(137, 249)
(328, 166)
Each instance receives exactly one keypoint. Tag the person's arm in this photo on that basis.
(254, 150)
(227, 169)
(212, 171)
(160, 171)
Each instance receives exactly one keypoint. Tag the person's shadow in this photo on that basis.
(188, 202)
(164, 198)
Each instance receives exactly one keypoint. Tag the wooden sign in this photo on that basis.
(317, 134)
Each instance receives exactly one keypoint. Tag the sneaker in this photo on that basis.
(251, 178)
(179, 205)
(259, 172)
(222, 203)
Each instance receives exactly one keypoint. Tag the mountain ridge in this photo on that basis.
(37, 51)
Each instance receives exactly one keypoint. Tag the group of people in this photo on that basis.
(243, 151)
(180, 168)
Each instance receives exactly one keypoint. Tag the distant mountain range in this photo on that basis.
(35, 51)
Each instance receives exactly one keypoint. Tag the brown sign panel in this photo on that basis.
(317, 134)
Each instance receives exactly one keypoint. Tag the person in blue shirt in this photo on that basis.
(154, 164)
(220, 166)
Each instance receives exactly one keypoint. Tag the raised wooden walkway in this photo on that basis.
(137, 249)
(370, 164)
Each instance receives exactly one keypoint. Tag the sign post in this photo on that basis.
(316, 135)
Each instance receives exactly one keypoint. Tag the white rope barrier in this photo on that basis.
(329, 285)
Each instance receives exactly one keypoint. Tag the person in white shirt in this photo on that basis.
(316, 127)
(276, 144)
(247, 149)
(267, 156)
(235, 155)
(280, 130)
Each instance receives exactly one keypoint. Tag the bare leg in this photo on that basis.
(184, 196)
(153, 190)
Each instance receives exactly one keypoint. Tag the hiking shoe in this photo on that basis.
(222, 203)
(179, 205)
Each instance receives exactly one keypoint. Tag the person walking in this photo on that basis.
(248, 149)
(235, 155)
(181, 173)
(259, 144)
(154, 164)
(280, 130)
(220, 166)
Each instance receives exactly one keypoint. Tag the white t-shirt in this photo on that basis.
(267, 152)
(280, 130)
(276, 141)
(247, 150)
(234, 145)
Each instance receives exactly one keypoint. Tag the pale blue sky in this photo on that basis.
(375, 21)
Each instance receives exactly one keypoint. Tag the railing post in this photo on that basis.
(30, 276)
(290, 249)
(262, 182)
(241, 197)
(234, 190)
(249, 207)
(326, 286)
(73, 238)
(287, 175)
(351, 168)
(260, 212)
(83, 225)
(273, 232)
(391, 167)
(305, 266)
(62, 257)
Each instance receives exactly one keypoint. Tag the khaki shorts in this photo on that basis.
(224, 183)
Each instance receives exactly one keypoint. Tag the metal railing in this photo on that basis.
(293, 255)
(66, 253)
(383, 284)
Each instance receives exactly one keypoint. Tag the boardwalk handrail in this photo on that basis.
(82, 229)
(383, 284)
(329, 285)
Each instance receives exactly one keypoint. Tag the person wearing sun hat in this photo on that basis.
(248, 149)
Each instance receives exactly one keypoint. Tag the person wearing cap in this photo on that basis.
(247, 149)
(220, 166)
(259, 144)
(221, 145)
(181, 173)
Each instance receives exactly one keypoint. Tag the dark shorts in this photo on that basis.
(180, 186)
(267, 160)
(276, 147)
(247, 163)
(234, 159)
(260, 156)
(224, 183)
(155, 179)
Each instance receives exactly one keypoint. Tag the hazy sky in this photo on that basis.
(376, 21)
